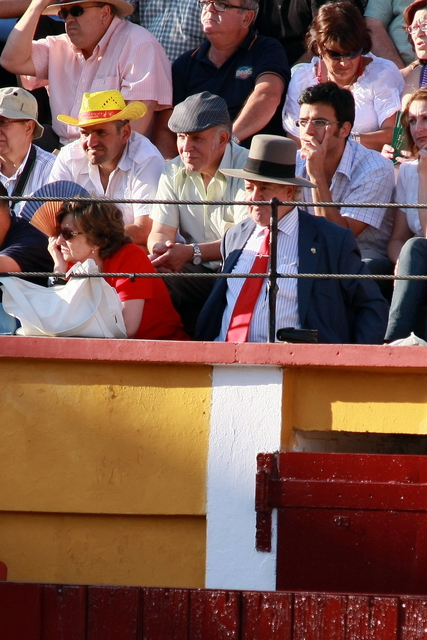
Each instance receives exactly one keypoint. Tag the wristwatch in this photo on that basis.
(197, 255)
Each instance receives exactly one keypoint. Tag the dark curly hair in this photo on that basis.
(101, 222)
(339, 22)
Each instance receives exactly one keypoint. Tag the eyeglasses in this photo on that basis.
(77, 10)
(421, 26)
(318, 123)
(337, 55)
(67, 234)
(4, 124)
(220, 6)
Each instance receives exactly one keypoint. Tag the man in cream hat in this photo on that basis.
(23, 166)
(343, 311)
(99, 51)
(112, 160)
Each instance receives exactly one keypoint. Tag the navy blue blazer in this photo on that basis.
(343, 311)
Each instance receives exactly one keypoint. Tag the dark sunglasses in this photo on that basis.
(337, 55)
(67, 234)
(77, 10)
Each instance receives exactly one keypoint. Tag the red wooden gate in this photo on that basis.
(352, 523)
(67, 612)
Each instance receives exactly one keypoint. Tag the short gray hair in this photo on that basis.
(253, 5)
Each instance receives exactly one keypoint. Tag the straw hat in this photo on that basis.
(271, 159)
(105, 106)
(122, 7)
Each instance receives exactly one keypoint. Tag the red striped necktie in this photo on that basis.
(245, 304)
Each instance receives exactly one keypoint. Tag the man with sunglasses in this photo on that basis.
(345, 171)
(99, 51)
(249, 71)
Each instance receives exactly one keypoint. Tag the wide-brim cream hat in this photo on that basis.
(19, 104)
(271, 159)
(105, 106)
(122, 7)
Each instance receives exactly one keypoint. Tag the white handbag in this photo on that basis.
(83, 307)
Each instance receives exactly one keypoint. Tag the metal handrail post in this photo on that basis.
(272, 273)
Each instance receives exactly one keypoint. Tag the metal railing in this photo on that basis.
(272, 275)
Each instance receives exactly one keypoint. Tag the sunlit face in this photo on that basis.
(257, 190)
(77, 249)
(341, 71)
(417, 117)
(15, 137)
(225, 22)
(103, 144)
(319, 111)
(86, 30)
(419, 37)
(202, 151)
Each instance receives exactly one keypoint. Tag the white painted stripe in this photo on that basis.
(246, 419)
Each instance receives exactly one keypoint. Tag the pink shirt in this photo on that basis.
(127, 58)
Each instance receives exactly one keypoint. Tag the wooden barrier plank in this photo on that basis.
(64, 612)
(413, 612)
(214, 615)
(319, 617)
(113, 613)
(384, 618)
(20, 611)
(165, 614)
(266, 615)
(358, 618)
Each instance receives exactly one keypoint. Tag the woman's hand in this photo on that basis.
(388, 152)
(60, 265)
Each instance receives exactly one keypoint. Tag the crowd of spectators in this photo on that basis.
(241, 100)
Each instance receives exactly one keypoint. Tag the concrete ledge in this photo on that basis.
(285, 355)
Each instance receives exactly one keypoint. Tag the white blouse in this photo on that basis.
(407, 192)
(376, 94)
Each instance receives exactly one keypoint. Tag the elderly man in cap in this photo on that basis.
(100, 50)
(342, 311)
(112, 160)
(186, 237)
(23, 166)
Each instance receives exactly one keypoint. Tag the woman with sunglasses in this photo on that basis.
(407, 246)
(415, 75)
(341, 43)
(96, 230)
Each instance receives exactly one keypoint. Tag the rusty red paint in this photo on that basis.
(266, 473)
(3, 571)
(347, 356)
(113, 613)
(351, 523)
(20, 611)
(64, 612)
(73, 612)
(165, 614)
(214, 615)
(266, 616)
(319, 617)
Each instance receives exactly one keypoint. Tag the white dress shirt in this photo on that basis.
(136, 176)
(287, 295)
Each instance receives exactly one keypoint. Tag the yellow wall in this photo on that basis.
(351, 400)
(81, 439)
